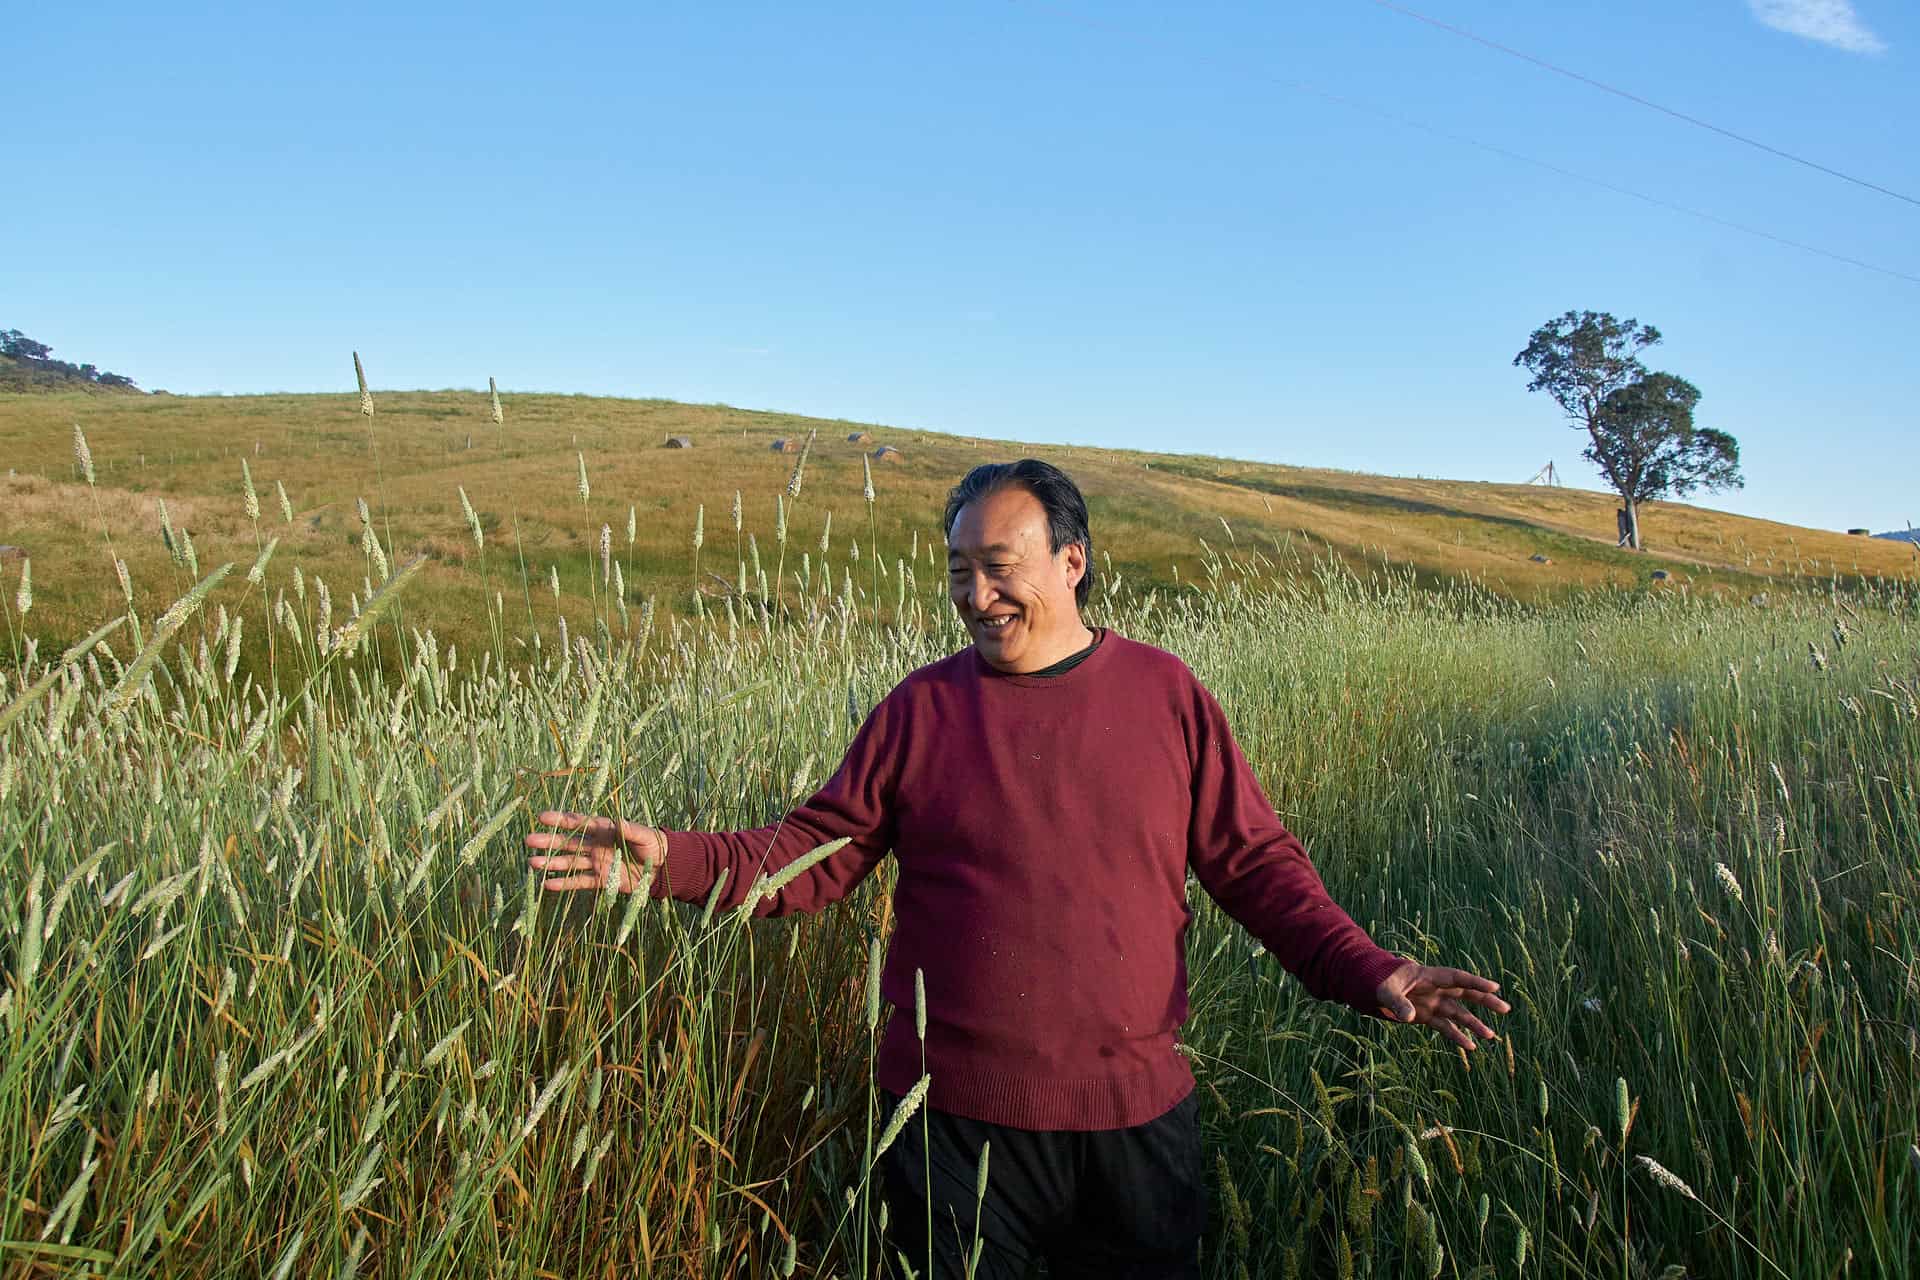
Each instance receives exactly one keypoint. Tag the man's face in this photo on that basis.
(1014, 593)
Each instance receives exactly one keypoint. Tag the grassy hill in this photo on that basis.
(49, 376)
(1151, 511)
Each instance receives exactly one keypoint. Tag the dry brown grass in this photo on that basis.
(1150, 510)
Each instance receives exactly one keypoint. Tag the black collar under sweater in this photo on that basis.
(1068, 663)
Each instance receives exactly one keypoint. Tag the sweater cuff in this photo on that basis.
(687, 871)
(1363, 985)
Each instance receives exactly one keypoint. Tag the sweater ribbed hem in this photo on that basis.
(688, 866)
(1045, 1103)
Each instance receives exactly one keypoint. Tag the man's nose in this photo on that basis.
(978, 591)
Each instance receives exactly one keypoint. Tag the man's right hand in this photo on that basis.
(587, 858)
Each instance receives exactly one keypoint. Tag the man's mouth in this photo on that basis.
(999, 623)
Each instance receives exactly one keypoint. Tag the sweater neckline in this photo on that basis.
(1093, 662)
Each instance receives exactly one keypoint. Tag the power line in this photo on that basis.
(1604, 87)
(1355, 104)
(1604, 185)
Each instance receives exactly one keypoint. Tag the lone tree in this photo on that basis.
(1639, 425)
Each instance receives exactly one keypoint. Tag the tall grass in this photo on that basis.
(281, 996)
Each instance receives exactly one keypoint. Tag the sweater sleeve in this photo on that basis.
(857, 802)
(1259, 872)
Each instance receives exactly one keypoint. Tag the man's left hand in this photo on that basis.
(1440, 998)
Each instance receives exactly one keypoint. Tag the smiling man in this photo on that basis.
(1046, 792)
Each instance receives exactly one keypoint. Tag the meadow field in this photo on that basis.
(281, 998)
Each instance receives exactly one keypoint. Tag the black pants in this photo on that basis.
(1117, 1204)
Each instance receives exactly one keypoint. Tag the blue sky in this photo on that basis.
(1206, 227)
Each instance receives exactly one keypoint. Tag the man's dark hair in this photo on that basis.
(1057, 494)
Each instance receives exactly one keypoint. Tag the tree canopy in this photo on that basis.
(27, 365)
(1648, 447)
(1639, 425)
(1583, 357)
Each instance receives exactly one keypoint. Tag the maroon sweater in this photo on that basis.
(1044, 829)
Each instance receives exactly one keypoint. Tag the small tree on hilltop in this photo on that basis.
(1639, 426)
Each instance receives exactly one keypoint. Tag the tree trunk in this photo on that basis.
(1633, 525)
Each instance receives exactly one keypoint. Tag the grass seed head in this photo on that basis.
(370, 546)
(874, 954)
(255, 575)
(543, 1102)
(363, 1181)
(284, 1268)
(593, 1160)
(34, 932)
(1665, 1177)
(378, 603)
(84, 455)
(1417, 1162)
(799, 468)
(578, 1147)
(470, 851)
(222, 1064)
(133, 679)
(473, 519)
(366, 396)
(443, 1046)
(901, 1114)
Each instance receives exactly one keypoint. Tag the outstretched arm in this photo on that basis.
(589, 852)
(856, 803)
(1255, 868)
(1259, 871)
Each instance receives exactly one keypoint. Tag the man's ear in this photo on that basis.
(1076, 554)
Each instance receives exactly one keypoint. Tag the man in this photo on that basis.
(1046, 792)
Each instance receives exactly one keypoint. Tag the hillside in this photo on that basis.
(29, 366)
(1151, 511)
